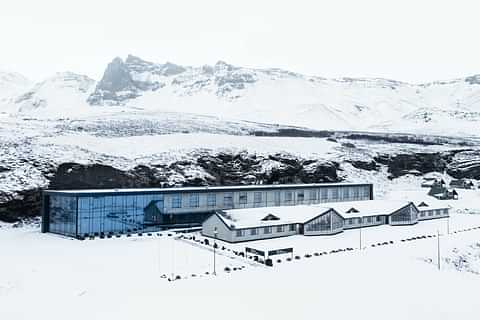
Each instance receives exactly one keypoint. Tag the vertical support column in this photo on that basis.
(76, 216)
(45, 208)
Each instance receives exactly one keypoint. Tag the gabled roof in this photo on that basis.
(366, 208)
(270, 217)
(255, 217)
(432, 204)
(352, 210)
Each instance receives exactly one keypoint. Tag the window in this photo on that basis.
(356, 192)
(288, 196)
(211, 200)
(253, 232)
(324, 193)
(194, 200)
(350, 221)
(366, 192)
(228, 200)
(422, 214)
(267, 230)
(257, 197)
(279, 228)
(300, 196)
(177, 201)
(242, 198)
(360, 220)
(379, 219)
(430, 213)
(292, 227)
(369, 219)
(439, 212)
(345, 193)
(334, 194)
(277, 198)
(239, 233)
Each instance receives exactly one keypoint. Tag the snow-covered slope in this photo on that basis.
(11, 84)
(64, 94)
(263, 95)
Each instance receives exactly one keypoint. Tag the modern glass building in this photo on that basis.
(80, 213)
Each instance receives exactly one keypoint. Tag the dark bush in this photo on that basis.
(178, 277)
(308, 255)
(269, 262)
(297, 257)
(227, 269)
(279, 260)
(289, 259)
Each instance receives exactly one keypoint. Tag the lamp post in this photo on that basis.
(438, 249)
(360, 245)
(215, 233)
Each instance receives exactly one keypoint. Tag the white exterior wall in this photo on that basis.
(426, 214)
(261, 235)
(359, 222)
(208, 227)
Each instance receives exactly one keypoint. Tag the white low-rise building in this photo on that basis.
(239, 225)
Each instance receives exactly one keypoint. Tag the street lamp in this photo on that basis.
(215, 233)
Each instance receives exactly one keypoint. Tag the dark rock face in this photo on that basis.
(25, 204)
(412, 163)
(473, 79)
(221, 169)
(115, 79)
(365, 165)
(465, 164)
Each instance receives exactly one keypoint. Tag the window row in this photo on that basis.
(289, 197)
(265, 230)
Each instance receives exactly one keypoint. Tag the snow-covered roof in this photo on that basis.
(366, 208)
(431, 204)
(204, 189)
(253, 217)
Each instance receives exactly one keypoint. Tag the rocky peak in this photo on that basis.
(473, 79)
(115, 86)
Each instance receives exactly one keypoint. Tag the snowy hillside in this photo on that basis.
(11, 84)
(63, 94)
(261, 95)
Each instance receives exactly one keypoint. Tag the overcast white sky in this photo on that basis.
(410, 40)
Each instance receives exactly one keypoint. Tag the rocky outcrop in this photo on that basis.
(115, 86)
(465, 164)
(206, 169)
(412, 163)
(365, 165)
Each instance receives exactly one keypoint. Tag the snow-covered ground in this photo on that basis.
(45, 276)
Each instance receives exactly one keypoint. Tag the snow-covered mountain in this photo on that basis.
(11, 84)
(65, 93)
(262, 95)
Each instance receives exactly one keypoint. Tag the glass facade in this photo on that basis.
(329, 222)
(406, 215)
(63, 215)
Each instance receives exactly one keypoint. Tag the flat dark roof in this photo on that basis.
(88, 192)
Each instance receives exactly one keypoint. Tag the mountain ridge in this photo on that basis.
(270, 95)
